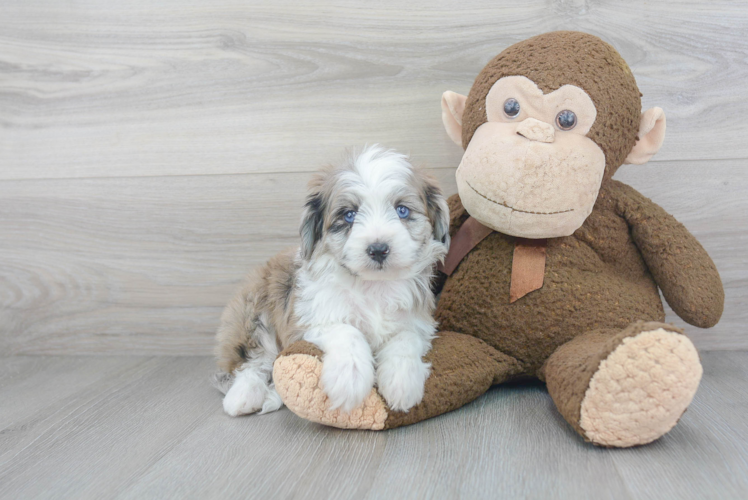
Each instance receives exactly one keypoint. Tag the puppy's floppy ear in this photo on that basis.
(437, 209)
(313, 218)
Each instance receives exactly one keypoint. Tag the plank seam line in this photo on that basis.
(285, 172)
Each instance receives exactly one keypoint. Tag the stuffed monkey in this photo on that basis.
(555, 268)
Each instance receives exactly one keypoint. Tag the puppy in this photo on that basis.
(372, 231)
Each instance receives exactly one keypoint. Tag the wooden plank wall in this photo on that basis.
(153, 152)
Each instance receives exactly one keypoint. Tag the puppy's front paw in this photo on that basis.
(401, 381)
(347, 379)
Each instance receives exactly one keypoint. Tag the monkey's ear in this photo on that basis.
(651, 135)
(453, 105)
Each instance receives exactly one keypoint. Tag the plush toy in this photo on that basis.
(554, 267)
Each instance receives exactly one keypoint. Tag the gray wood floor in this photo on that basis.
(152, 427)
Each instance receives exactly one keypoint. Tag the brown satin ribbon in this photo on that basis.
(528, 267)
(468, 236)
(528, 261)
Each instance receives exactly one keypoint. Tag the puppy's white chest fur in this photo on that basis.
(329, 295)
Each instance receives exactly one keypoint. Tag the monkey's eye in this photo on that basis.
(349, 216)
(511, 107)
(566, 120)
(402, 211)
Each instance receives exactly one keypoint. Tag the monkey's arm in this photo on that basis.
(681, 267)
(457, 216)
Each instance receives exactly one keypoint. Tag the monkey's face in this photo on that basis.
(530, 170)
(534, 162)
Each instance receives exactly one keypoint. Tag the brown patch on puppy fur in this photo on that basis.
(265, 300)
(433, 200)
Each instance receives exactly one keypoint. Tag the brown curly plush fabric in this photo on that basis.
(555, 59)
(679, 264)
(595, 278)
(462, 368)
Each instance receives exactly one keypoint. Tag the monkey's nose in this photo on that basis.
(378, 252)
(535, 130)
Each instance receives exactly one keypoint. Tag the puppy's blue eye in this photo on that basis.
(402, 211)
(349, 216)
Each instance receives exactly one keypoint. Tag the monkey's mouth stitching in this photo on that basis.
(516, 209)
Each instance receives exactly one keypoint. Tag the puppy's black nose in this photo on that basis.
(378, 252)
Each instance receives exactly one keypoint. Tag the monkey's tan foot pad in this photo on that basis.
(642, 388)
(296, 374)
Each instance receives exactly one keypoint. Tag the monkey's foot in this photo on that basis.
(297, 373)
(641, 389)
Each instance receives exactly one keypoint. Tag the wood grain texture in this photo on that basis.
(144, 427)
(110, 433)
(145, 265)
(36, 391)
(151, 153)
(91, 89)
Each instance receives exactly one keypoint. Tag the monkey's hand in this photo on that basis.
(681, 267)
